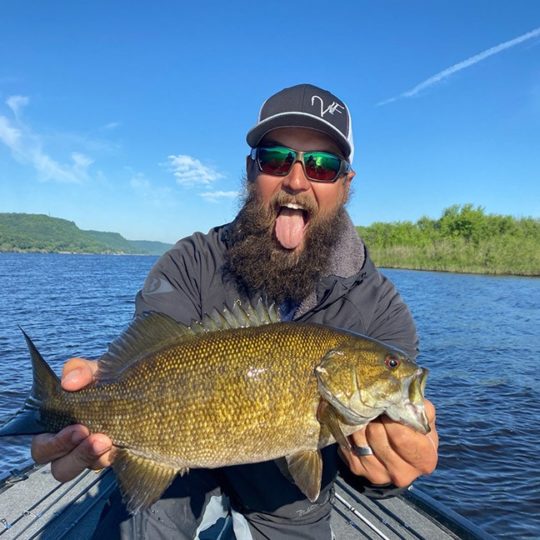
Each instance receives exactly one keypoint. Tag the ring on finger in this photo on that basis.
(362, 451)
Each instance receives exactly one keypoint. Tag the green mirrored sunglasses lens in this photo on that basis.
(276, 160)
(321, 166)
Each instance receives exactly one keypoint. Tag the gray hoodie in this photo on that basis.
(186, 283)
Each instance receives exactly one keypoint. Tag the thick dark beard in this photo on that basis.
(259, 264)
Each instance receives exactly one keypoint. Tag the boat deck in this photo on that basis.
(34, 505)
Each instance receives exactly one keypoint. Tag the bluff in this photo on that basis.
(41, 233)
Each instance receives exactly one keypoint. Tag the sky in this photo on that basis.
(131, 116)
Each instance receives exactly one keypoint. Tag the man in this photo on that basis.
(292, 243)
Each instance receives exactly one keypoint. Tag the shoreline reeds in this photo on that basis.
(464, 240)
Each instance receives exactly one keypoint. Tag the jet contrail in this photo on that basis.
(462, 65)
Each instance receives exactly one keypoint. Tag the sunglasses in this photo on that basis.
(318, 166)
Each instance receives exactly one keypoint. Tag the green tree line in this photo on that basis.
(463, 239)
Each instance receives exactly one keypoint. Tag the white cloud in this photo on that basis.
(16, 103)
(27, 148)
(111, 125)
(216, 196)
(464, 64)
(190, 172)
(9, 134)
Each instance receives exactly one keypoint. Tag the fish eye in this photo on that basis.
(391, 361)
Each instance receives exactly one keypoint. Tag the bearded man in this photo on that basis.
(292, 243)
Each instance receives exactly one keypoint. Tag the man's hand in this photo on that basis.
(73, 449)
(400, 454)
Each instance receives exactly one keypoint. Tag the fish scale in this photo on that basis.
(173, 397)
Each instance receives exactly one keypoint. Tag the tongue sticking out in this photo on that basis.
(290, 228)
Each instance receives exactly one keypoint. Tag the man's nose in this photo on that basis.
(296, 180)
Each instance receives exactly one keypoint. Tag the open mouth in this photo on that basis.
(291, 224)
(413, 412)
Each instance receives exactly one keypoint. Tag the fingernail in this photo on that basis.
(72, 377)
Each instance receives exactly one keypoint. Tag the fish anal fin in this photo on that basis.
(142, 481)
(305, 468)
(330, 418)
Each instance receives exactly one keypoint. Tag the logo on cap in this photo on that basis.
(332, 108)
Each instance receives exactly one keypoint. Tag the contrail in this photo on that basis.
(462, 65)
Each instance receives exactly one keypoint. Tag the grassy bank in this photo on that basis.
(463, 239)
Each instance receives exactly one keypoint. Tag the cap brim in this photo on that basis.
(304, 120)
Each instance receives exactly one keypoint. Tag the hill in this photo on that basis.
(37, 232)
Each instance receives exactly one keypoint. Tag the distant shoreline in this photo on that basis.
(459, 272)
(464, 240)
(42, 252)
(381, 267)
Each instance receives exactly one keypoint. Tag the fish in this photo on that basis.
(240, 386)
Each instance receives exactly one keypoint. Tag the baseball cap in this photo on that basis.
(305, 105)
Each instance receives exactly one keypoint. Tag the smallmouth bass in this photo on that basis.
(238, 387)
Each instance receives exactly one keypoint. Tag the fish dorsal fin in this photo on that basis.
(153, 331)
(239, 316)
(146, 334)
(142, 481)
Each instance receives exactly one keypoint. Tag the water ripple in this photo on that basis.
(479, 338)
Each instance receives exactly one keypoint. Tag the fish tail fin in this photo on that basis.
(27, 421)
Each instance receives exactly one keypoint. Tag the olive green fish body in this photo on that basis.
(232, 387)
(237, 387)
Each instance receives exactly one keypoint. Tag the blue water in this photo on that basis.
(480, 338)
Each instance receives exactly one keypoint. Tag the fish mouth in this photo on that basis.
(410, 410)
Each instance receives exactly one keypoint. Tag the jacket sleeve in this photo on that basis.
(173, 286)
(360, 484)
(391, 321)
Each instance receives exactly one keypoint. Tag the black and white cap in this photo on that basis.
(305, 105)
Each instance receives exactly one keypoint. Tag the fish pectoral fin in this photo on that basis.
(329, 417)
(306, 469)
(142, 481)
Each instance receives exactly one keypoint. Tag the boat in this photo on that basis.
(33, 505)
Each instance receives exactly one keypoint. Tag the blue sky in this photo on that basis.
(131, 116)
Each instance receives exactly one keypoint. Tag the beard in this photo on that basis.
(260, 265)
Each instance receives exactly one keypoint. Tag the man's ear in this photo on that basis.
(251, 168)
(348, 179)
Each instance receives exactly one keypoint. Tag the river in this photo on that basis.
(480, 338)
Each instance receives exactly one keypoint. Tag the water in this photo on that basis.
(479, 337)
